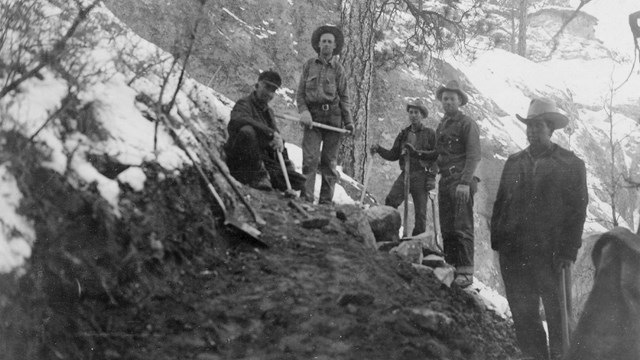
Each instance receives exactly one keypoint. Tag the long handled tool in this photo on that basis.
(218, 163)
(315, 124)
(405, 220)
(367, 175)
(289, 192)
(246, 231)
(309, 222)
(435, 230)
(564, 307)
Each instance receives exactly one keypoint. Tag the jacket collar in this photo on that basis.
(550, 152)
(331, 62)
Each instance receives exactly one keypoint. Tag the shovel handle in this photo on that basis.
(405, 221)
(367, 175)
(564, 316)
(284, 170)
(314, 124)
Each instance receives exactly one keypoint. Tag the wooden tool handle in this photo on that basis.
(284, 170)
(315, 124)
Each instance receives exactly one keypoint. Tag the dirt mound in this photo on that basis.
(164, 281)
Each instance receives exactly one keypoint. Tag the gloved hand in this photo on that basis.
(350, 128)
(463, 194)
(305, 118)
(374, 149)
(410, 149)
(277, 143)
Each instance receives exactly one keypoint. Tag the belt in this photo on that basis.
(323, 107)
(449, 171)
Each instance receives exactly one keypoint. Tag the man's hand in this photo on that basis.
(350, 128)
(463, 194)
(277, 143)
(374, 149)
(305, 118)
(410, 149)
(560, 263)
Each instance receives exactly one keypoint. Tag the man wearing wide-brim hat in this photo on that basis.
(458, 146)
(536, 227)
(323, 97)
(418, 142)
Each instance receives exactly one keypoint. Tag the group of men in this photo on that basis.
(538, 215)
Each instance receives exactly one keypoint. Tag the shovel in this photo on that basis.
(315, 124)
(245, 231)
(405, 230)
(367, 175)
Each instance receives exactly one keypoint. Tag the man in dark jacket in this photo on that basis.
(536, 227)
(458, 145)
(323, 97)
(254, 140)
(418, 141)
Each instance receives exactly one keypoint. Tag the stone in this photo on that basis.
(430, 320)
(433, 261)
(387, 245)
(385, 222)
(360, 299)
(356, 224)
(445, 274)
(410, 250)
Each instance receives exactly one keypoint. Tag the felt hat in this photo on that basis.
(455, 87)
(270, 77)
(417, 103)
(327, 29)
(544, 109)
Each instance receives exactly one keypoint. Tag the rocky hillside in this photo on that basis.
(116, 248)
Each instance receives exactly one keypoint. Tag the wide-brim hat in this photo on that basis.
(327, 29)
(417, 103)
(455, 87)
(546, 109)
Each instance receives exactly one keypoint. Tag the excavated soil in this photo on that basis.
(166, 280)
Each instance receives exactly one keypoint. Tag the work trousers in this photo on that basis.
(527, 280)
(456, 224)
(418, 188)
(326, 159)
(250, 157)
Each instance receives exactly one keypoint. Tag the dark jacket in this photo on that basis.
(325, 83)
(248, 111)
(458, 145)
(425, 146)
(541, 204)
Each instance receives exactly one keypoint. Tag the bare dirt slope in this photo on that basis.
(167, 281)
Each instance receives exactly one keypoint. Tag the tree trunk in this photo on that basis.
(358, 19)
(522, 27)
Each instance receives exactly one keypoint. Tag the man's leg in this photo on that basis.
(446, 209)
(549, 283)
(328, 163)
(244, 158)
(311, 140)
(524, 301)
(464, 230)
(419, 194)
(396, 194)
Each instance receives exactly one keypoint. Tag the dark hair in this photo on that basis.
(270, 76)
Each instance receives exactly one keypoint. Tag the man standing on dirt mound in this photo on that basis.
(536, 227)
(419, 142)
(323, 97)
(458, 145)
(254, 140)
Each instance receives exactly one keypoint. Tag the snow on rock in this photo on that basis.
(134, 177)
(16, 233)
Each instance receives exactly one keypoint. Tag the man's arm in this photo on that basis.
(394, 153)
(473, 154)
(301, 100)
(576, 198)
(430, 153)
(344, 94)
(241, 115)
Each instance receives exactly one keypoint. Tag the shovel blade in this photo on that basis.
(248, 233)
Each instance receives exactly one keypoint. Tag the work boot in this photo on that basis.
(463, 280)
(262, 183)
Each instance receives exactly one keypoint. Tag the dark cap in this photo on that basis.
(270, 77)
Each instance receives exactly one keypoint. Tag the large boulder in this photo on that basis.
(385, 222)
